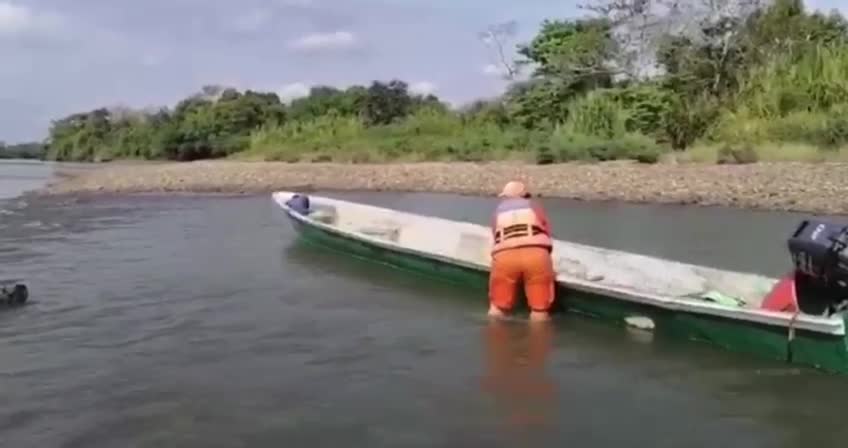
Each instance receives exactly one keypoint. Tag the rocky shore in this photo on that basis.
(806, 187)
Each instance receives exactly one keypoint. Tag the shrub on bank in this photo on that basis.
(797, 98)
(706, 152)
(427, 136)
(568, 147)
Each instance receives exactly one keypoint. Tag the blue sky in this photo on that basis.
(64, 56)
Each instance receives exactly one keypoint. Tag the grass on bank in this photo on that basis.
(433, 136)
(794, 108)
(444, 138)
(723, 153)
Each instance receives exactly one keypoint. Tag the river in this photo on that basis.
(198, 322)
(18, 176)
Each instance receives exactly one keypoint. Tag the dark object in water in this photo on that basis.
(14, 295)
(819, 252)
(299, 203)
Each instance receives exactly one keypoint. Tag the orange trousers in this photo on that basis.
(533, 266)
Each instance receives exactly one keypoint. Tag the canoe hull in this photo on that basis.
(798, 346)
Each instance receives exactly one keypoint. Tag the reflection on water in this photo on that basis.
(516, 376)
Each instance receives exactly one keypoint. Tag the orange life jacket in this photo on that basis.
(519, 223)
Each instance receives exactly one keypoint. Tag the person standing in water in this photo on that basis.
(521, 252)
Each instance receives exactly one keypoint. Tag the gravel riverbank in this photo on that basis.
(808, 187)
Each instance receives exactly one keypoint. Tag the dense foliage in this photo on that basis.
(736, 74)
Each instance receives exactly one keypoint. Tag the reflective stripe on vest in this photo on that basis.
(516, 225)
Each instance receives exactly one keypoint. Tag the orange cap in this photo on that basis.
(514, 189)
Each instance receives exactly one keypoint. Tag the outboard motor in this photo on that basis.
(299, 203)
(819, 251)
(15, 295)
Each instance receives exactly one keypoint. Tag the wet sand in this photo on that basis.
(787, 186)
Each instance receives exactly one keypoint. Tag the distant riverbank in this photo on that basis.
(788, 186)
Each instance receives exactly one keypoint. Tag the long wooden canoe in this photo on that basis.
(668, 297)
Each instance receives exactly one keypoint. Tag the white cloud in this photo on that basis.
(422, 88)
(339, 40)
(827, 5)
(494, 70)
(293, 91)
(15, 19)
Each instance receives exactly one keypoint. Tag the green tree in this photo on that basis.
(577, 52)
(385, 103)
(570, 57)
(325, 100)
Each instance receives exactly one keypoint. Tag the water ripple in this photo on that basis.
(198, 322)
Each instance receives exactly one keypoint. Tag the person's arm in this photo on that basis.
(543, 217)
